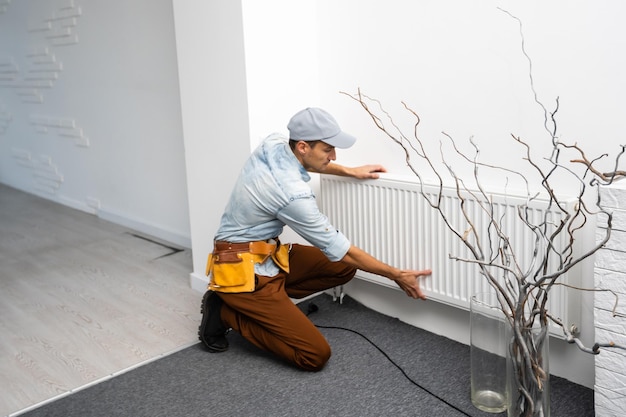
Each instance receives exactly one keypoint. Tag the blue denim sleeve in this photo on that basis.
(305, 218)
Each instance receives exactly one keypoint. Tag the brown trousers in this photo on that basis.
(269, 319)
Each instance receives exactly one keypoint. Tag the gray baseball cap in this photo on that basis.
(314, 123)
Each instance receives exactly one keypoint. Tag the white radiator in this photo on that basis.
(392, 221)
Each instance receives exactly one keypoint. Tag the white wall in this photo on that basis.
(610, 275)
(209, 37)
(282, 70)
(90, 111)
(459, 64)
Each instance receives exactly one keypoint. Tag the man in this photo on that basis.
(253, 275)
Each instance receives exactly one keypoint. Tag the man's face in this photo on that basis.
(317, 155)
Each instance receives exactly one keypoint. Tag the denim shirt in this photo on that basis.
(273, 191)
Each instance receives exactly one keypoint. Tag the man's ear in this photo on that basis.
(302, 147)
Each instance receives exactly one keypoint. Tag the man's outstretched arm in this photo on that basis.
(406, 279)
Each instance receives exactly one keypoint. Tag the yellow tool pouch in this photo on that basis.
(231, 266)
(281, 257)
(232, 276)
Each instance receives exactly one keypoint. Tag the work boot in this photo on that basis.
(212, 332)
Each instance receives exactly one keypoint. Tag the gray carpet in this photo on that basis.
(357, 381)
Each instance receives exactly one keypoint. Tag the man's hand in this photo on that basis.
(408, 280)
(367, 171)
(364, 172)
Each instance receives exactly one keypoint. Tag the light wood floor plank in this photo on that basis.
(81, 299)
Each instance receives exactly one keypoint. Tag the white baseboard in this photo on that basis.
(92, 206)
(76, 204)
(144, 227)
(198, 282)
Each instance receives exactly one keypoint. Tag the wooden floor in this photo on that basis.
(82, 299)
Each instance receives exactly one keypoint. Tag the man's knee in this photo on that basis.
(314, 360)
(347, 274)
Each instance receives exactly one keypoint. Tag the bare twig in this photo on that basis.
(522, 288)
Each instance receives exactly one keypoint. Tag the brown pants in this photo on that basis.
(270, 320)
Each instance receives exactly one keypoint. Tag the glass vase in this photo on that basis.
(488, 346)
(528, 372)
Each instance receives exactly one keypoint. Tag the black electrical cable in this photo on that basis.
(313, 308)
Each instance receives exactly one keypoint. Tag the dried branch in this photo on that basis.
(570, 338)
(522, 288)
(524, 292)
(614, 312)
(607, 177)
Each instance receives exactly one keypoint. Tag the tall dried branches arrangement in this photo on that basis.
(522, 286)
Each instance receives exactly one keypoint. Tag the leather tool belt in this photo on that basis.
(231, 265)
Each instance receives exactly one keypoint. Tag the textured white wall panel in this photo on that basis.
(610, 307)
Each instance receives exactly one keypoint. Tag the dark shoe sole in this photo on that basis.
(216, 342)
